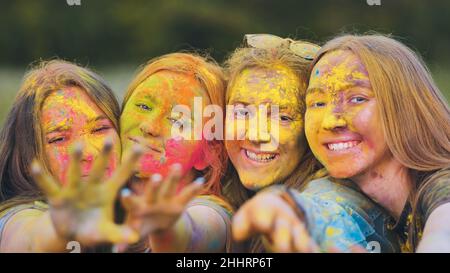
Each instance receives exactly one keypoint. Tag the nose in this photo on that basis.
(259, 126)
(334, 121)
(90, 152)
(151, 128)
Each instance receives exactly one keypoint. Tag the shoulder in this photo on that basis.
(212, 201)
(434, 192)
(17, 215)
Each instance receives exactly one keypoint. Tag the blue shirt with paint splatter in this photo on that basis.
(339, 215)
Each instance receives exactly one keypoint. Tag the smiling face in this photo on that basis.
(147, 119)
(343, 126)
(253, 88)
(70, 116)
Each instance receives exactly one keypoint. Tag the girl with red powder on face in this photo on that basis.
(158, 207)
(65, 118)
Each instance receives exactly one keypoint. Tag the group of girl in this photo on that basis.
(359, 160)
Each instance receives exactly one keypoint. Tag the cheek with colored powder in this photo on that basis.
(59, 163)
(176, 151)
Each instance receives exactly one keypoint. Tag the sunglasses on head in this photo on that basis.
(303, 49)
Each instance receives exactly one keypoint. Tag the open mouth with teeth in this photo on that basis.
(342, 146)
(260, 157)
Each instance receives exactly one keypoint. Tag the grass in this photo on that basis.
(119, 77)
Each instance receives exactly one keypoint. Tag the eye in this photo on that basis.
(241, 112)
(101, 128)
(144, 106)
(56, 140)
(286, 118)
(178, 122)
(358, 100)
(318, 104)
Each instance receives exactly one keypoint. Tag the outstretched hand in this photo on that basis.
(160, 205)
(84, 210)
(269, 215)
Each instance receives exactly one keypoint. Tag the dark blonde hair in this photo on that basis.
(22, 139)
(210, 76)
(415, 116)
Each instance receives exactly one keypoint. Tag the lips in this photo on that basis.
(259, 156)
(341, 146)
(341, 142)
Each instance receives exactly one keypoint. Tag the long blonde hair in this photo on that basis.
(211, 77)
(415, 115)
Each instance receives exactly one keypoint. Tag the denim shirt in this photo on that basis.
(338, 214)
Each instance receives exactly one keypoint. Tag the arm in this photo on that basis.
(322, 222)
(436, 234)
(31, 230)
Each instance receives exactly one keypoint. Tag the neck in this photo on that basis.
(389, 184)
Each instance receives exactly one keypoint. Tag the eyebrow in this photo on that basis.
(150, 97)
(65, 127)
(58, 128)
(101, 117)
(312, 90)
(239, 102)
(355, 83)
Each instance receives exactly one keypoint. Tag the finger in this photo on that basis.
(358, 249)
(190, 191)
(45, 181)
(257, 220)
(100, 164)
(74, 171)
(169, 185)
(313, 247)
(240, 225)
(264, 217)
(126, 169)
(152, 187)
(334, 249)
(301, 238)
(119, 248)
(282, 236)
(129, 201)
(119, 234)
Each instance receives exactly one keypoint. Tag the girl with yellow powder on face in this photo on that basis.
(157, 202)
(271, 71)
(375, 116)
(65, 118)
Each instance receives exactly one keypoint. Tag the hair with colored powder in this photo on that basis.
(210, 76)
(244, 58)
(415, 116)
(22, 139)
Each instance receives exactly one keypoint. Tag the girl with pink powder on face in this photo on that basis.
(160, 207)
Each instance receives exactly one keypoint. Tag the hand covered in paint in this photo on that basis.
(84, 210)
(160, 205)
(268, 214)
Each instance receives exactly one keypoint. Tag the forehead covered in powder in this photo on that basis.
(338, 70)
(277, 84)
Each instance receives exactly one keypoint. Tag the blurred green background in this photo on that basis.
(113, 37)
